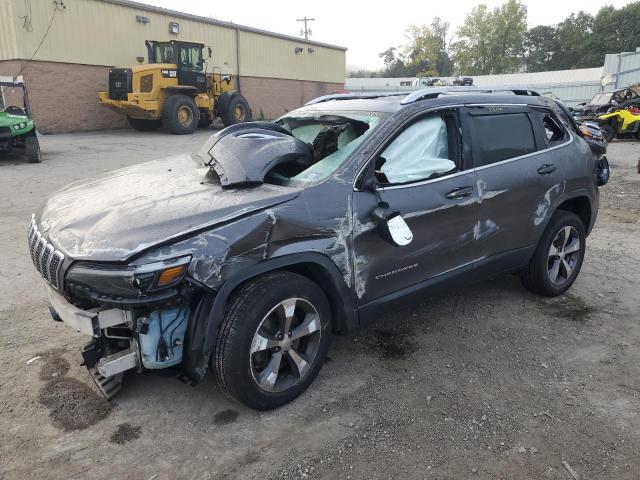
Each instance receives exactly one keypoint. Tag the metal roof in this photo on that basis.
(534, 78)
(213, 21)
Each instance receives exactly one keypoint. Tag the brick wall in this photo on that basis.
(276, 96)
(64, 96)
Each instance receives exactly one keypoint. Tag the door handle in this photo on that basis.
(459, 192)
(546, 169)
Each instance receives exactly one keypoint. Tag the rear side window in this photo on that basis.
(500, 137)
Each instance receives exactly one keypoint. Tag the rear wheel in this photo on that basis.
(273, 340)
(238, 111)
(558, 258)
(143, 124)
(180, 115)
(32, 149)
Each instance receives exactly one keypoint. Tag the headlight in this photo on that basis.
(128, 281)
(18, 126)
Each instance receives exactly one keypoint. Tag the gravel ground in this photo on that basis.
(488, 382)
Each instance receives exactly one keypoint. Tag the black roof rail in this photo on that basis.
(427, 93)
(435, 92)
(354, 96)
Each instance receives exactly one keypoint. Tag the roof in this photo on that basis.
(393, 101)
(533, 78)
(213, 21)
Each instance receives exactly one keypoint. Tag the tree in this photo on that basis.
(394, 64)
(541, 46)
(426, 52)
(491, 41)
(574, 35)
(616, 30)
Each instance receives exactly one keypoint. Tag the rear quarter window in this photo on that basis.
(501, 137)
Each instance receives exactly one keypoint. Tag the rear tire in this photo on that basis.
(32, 149)
(180, 115)
(238, 111)
(556, 263)
(143, 125)
(260, 359)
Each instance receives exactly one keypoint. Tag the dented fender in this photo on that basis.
(209, 313)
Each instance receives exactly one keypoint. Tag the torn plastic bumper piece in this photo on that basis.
(108, 386)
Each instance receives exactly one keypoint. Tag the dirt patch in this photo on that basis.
(125, 432)
(225, 417)
(72, 404)
(54, 365)
(392, 344)
(569, 307)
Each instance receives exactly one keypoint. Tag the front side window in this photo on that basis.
(501, 137)
(421, 152)
(165, 53)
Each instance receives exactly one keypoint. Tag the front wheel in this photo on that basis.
(180, 115)
(273, 340)
(558, 258)
(238, 111)
(32, 149)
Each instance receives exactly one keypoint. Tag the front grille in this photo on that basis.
(5, 132)
(120, 83)
(46, 259)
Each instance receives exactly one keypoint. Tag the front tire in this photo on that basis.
(180, 115)
(32, 149)
(238, 111)
(556, 263)
(273, 340)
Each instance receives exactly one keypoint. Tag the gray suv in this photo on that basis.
(250, 254)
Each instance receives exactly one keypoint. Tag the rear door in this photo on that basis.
(421, 174)
(518, 178)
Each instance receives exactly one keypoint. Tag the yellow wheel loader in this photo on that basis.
(174, 91)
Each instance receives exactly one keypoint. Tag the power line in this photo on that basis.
(306, 31)
(44, 37)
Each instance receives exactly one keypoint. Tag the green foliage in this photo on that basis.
(497, 41)
(491, 41)
(542, 44)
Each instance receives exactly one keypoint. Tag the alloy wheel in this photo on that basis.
(285, 345)
(564, 254)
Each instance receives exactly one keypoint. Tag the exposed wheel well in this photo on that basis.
(343, 320)
(581, 206)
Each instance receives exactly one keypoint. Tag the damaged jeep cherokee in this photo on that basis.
(250, 254)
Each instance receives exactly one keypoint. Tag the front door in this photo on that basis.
(420, 174)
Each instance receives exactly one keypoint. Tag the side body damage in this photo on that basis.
(147, 259)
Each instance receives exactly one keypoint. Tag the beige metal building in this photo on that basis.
(64, 49)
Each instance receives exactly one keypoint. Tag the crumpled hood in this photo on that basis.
(121, 213)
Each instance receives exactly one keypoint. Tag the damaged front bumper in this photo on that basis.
(124, 340)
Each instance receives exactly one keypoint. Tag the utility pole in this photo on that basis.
(306, 31)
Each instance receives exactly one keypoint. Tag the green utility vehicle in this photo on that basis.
(17, 129)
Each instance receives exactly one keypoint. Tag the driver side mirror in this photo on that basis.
(209, 51)
(391, 225)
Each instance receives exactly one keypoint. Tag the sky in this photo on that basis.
(363, 27)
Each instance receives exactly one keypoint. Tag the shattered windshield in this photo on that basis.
(332, 136)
